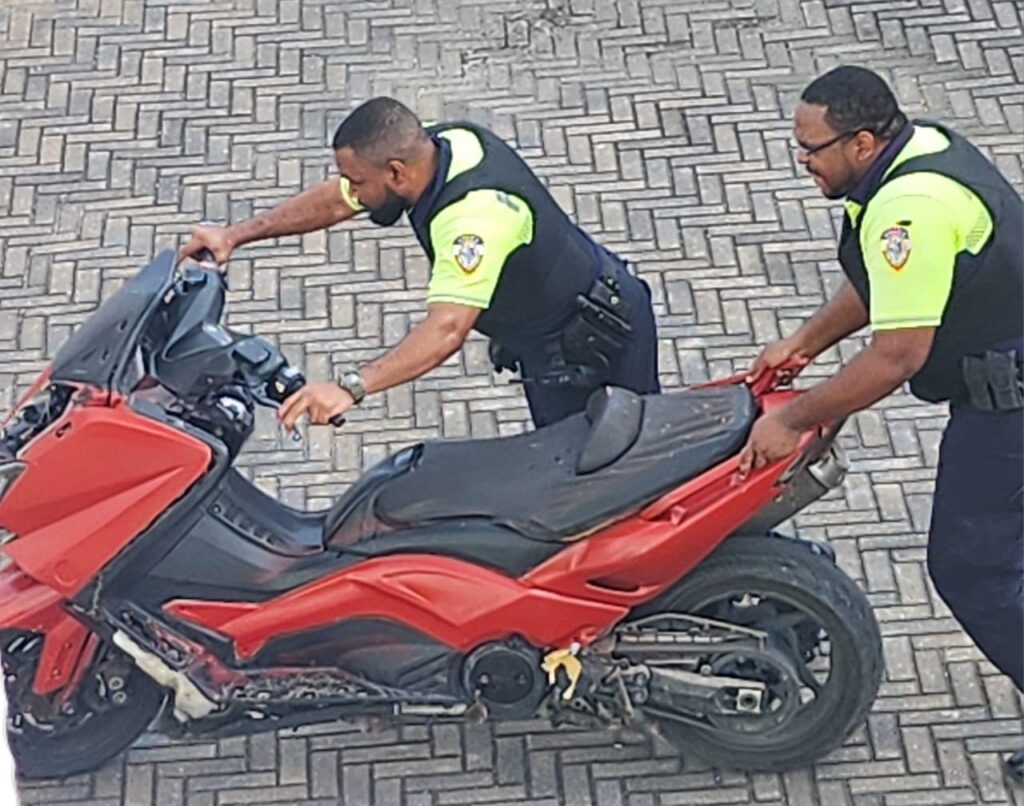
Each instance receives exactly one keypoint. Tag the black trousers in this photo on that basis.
(976, 546)
(635, 369)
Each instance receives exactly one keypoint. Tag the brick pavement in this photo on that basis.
(662, 125)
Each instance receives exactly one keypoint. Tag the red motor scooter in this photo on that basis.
(609, 569)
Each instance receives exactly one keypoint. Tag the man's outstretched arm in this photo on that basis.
(426, 346)
(315, 208)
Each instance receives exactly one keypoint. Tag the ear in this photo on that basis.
(865, 144)
(397, 172)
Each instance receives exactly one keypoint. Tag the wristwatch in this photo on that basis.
(352, 382)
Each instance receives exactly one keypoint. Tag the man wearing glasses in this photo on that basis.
(933, 253)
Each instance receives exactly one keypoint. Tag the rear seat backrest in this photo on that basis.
(616, 416)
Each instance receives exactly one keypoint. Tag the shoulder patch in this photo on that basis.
(468, 251)
(896, 245)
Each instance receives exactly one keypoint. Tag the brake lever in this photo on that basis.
(337, 421)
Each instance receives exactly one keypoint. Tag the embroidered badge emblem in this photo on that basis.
(896, 246)
(468, 251)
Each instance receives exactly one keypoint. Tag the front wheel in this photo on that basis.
(54, 736)
(821, 670)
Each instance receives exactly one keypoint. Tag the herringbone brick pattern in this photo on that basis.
(663, 126)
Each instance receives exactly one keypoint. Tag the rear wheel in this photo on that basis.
(55, 736)
(821, 666)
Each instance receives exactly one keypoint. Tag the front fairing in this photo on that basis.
(103, 352)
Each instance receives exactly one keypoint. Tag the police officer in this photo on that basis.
(506, 261)
(932, 251)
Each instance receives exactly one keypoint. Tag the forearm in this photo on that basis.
(316, 208)
(835, 320)
(870, 376)
(427, 346)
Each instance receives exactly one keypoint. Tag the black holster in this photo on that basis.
(995, 381)
(598, 331)
(583, 354)
(502, 358)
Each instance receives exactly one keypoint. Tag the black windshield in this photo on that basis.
(98, 351)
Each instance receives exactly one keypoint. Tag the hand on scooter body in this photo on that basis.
(789, 352)
(771, 439)
(842, 315)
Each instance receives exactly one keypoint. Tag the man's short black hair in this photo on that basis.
(381, 129)
(857, 99)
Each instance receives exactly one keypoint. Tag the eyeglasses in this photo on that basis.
(811, 150)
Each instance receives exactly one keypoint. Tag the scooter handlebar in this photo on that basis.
(286, 380)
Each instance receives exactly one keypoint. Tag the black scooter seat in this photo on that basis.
(548, 485)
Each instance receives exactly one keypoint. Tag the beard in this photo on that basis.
(840, 192)
(389, 211)
(833, 192)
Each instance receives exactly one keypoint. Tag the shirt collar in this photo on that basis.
(424, 204)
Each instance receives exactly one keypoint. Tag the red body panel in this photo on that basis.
(455, 602)
(62, 657)
(26, 605)
(94, 480)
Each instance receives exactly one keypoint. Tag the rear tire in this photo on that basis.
(784, 571)
(112, 705)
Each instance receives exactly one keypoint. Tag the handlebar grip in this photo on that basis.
(285, 383)
(204, 255)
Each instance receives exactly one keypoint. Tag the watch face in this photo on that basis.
(352, 383)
